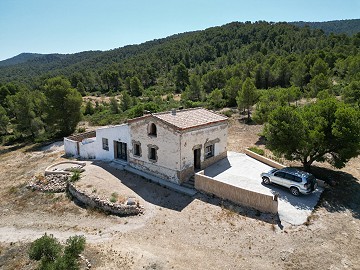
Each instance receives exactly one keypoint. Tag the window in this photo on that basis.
(209, 151)
(152, 130)
(279, 174)
(137, 150)
(152, 153)
(105, 144)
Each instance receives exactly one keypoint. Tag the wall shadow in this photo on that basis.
(147, 190)
(241, 210)
(218, 167)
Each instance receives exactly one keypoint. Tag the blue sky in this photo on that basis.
(69, 26)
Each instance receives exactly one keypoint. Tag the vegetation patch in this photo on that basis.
(50, 254)
(257, 150)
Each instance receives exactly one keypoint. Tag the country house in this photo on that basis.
(170, 145)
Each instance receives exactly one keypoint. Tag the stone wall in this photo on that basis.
(103, 204)
(259, 201)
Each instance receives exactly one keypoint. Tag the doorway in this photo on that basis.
(120, 150)
(197, 155)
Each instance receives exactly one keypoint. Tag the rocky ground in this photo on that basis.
(176, 231)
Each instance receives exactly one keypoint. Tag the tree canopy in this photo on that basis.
(327, 130)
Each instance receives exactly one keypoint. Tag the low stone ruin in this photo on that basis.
(49, 183)
(92, 200)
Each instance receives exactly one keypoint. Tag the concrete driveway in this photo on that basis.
(240, 170)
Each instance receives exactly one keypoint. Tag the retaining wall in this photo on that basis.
(104, 205)
(259, 201)
(264, 159)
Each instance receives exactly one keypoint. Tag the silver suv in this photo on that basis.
(297, 181)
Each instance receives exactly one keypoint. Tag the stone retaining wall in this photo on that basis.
(102, 204)
(259, 201)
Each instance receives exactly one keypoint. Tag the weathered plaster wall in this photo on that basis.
(87, 149)
(120, 133)
(70, 147)
(214, 134)
(167, 142)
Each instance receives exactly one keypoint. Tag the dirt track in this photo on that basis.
(177, 232)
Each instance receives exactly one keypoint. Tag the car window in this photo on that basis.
(289, 177)
(297, 179)
(279, 174)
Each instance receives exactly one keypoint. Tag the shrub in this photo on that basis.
(46, 248)
(75, 176)
(49, 252)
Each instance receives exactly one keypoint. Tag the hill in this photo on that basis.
(348, 27)
(21, 58)
(153, 61)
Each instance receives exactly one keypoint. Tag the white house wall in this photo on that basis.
(88, 150)
(70, 147)
(168, 153)
(119, 133)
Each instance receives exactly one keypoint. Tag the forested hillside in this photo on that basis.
(21, 58)
(348, 27)
(235, 65)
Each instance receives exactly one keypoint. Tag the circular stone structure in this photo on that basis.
(64, 167)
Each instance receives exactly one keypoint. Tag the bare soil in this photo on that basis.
(175, 231)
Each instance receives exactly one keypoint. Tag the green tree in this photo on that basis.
(136, 87)
(51, 255)
(299, 75)
(63, 106)
(89, 108)
(318, 83)
(114, 105)
(126, 101)
(247, 96)
(46, 248)
(4, 121)
(26, 108)
(215, 99)
(233, 86)
(319, 67)
(327, 130)
(213, 79)
(194, 90)
(181, 77)
(351, 93)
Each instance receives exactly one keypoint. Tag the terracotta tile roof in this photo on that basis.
(184, 119)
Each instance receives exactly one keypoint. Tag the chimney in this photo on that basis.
(173, 111)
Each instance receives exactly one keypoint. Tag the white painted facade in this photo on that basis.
(118, 133)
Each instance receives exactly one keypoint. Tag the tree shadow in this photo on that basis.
(147, 190)
(5, 150)
(344, 192)
(261, 141)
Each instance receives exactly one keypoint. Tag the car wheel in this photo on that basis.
(294, 191)
(266, 180)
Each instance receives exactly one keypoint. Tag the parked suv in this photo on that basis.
(296, 180)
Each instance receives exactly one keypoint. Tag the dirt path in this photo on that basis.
(176, 231)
